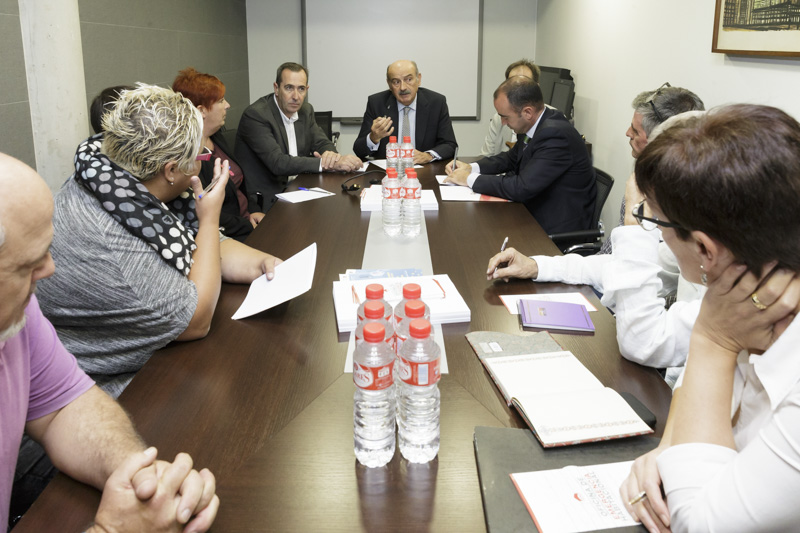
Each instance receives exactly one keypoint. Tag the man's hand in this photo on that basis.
(460, 175)
(448, 168)
(268, 265)
(422, 158)
(511, 264)
(348, 163)
(178, 493)
(329, 159)
(381, 127)
(255, 218)
(652, 511)
(632, 197)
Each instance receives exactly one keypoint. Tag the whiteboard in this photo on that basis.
(347, 45)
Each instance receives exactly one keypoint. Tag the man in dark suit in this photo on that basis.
(548, 169)
(279, 138)
(428, 122)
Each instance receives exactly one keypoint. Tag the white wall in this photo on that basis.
(618, 48)
(274, 36)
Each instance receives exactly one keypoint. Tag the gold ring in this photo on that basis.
(757, 302)
(639, 497)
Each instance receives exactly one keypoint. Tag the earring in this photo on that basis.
(171, 183)
(703, 276)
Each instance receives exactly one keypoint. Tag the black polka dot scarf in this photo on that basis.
(169, 228)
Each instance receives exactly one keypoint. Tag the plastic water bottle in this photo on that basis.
(374, 399)
(412, 204)
(392, 153)
(375, 312)
(374, 291)
(411, 291)
(412, 310)
(406, 157)
(391, 205)
(418, 395)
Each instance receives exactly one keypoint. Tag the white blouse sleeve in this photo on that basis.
(714, 488)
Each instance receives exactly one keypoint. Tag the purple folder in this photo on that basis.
(554, 315)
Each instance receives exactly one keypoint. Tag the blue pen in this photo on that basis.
(302, 188)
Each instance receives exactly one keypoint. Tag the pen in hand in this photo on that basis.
(502, 249)
(210, 186)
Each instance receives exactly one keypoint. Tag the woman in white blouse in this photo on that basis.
(725, 190)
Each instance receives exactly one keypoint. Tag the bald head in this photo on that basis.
(404, 79)
(26, 213)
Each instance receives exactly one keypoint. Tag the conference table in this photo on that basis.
(265, 404)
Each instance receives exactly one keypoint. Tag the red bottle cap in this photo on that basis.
(391, 172)
(412, 291)
(411, 173)
(374, 291)
(407, 140)
(374, 332)
(373, 309)
(392, 138)
(415, 309)
(419, 328)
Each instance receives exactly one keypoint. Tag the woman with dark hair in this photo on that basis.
(724, 189)
(239, 213)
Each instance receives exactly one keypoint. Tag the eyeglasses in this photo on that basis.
(649, 224)
(205, 156)
(653, 97)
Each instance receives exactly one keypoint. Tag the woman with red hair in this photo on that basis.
(240, 214)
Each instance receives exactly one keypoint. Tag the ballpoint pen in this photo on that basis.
(502, 249)
(210, 186)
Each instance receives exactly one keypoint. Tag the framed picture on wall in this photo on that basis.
(757, 27)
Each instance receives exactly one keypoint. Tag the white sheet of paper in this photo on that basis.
(576, 498)
(441, 178)
(292, 278)
(459, 194)
(304, 196)
(437, 337)
(510, 300)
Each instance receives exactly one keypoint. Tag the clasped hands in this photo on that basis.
(333, 161)
(382, 127)
(143, 494)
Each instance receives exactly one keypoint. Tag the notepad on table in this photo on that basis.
(561, 400)
(554, 315)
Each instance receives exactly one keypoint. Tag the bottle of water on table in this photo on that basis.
(392, 153)
(374, 399)
(391, 205)
(374, 291)
(375, 311)
(418, 394)
(412, 204)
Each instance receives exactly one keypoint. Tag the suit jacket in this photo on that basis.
(551, 174)
(232, 223)
(433, 129)
(262, 147)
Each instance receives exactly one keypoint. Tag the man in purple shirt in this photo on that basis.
(43, 392)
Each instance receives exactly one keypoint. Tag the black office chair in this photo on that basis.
(325, 121)
(587, 242)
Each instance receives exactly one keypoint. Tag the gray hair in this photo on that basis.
(666, 102)
(151, 126)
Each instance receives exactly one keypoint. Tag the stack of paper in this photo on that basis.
(372, 198)
(446, 304)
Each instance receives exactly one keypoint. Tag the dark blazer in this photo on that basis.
(552, 175)
(433, 129)
(231, 222)
(262, 147)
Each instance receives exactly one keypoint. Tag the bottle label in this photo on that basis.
(391, 153)
(373, 377)
(407, 153)
(392, 193)
(420, 374)
(412, 193)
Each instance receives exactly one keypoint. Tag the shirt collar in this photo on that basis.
(778, 368)
(412, 105)
(286, 120)
(535, 125)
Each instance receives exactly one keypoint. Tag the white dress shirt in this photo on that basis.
(757, 486)
(288, 123)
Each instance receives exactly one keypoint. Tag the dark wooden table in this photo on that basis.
(263, 402)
